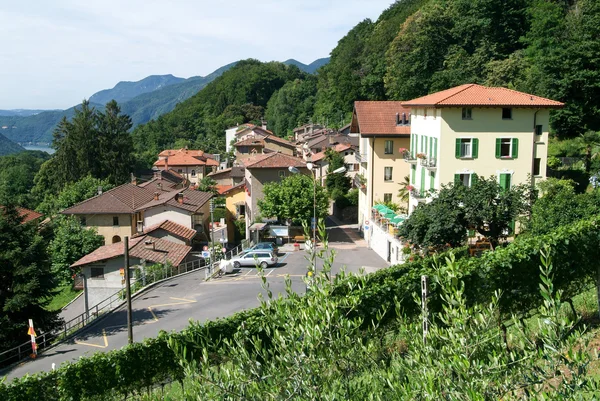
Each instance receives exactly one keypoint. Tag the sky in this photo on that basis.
(56, 53)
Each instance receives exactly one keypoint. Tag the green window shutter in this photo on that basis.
(503, 181)
(435, 148)
(422, 188)
(456, 179)
(430, 151)
(475, 148)
(515, 148)
(474, 179)
(508, 177)
(431, 180)
(498, 147)
(512, 227)
(458, 148)
(413, 170)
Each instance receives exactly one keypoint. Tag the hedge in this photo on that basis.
(513, 269)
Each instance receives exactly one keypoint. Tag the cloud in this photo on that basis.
(62, 51)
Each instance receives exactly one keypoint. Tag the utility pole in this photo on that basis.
(85, 298)
(424, 308)
(128, 292)
(212, 232)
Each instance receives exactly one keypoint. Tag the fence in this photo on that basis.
(144, 277)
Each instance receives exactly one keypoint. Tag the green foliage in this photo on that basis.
(207, 184)
(26, 282)
(349, 199)
(73, 193)
(336, 183)
(93, 143)
(293, 199)
(70, 243)
(219, 213)
(7, 146)
(239, 95)
(484, 206)
(560, 205)
(16, 177)
(292, 105)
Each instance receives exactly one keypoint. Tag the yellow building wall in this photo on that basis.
(231, 198)
(380, 160)
(103, 223)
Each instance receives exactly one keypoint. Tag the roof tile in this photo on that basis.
(379, 118)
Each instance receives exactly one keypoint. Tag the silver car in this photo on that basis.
(262, 258)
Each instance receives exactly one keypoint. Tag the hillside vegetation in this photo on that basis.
(125, 90)
(7, 146)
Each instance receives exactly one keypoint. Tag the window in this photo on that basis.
(466, 113)
(425, 113)
(507, 114)
(116, 239)
(97, 273)
(281, 173)
(115, 220)
(387, 198)
(413, 171)
(466, 179)
(240, 210)
(539, 130)
(197, 220)
(389, 147)
(507, 148)
(179, 170)
(536, 166)
(504, 180)
(467, 148)
(83, 221)
(387, 174)
(193, 173)
(432, 180)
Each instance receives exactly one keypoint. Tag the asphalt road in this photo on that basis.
(171, 304)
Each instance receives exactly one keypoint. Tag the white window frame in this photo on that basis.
(470, 155)
(470, 174)
(281, 173)
(385, 147)
(505, 171)
(467, 113)
(391, 173)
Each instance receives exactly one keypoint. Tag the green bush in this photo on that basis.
(514, 270)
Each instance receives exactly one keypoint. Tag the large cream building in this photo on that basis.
(384, 129)
(472, 130)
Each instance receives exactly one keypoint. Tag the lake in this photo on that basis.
(42, 148)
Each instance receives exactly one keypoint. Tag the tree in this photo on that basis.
(484, 206)
(26, 281)
(114, 144)
(292, 199)
(404, 192)
(70, 243)
(337, 184)
(590, 140)
(207, 184)
(17, 177)
(73, 193)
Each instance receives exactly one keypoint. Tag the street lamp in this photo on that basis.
(310, 166)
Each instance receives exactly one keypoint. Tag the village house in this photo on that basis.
(384, 130)
(321, 163)
(193, 165)
(256, 144)
(262, 169)
(472, 130)
(27, 215)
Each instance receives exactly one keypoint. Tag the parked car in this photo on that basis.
(263, 258)
(266, 246)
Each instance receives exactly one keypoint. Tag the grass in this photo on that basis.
(65, 294)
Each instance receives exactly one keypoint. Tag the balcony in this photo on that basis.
(418, 194)
(429, 163)
(360, 182)
(361, 157)
(410, 158)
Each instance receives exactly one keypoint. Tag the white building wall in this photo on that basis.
(161, 213)
(381, 241)
(229, 136)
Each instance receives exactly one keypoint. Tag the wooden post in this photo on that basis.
(128, 292)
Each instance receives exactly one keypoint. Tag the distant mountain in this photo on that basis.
(7, 146)
(310, 68)
(38, 128)
(125, 90)
(20, 112)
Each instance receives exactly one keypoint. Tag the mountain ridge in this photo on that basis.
(8, 147)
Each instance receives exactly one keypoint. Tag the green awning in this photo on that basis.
(379, 206)
(397, 219)
(390, 214)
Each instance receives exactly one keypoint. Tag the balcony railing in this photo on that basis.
(358, 182)
(360, 158)
(418, 193)
(410, 158)
(429, 163)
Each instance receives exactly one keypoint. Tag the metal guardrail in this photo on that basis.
(145, 278)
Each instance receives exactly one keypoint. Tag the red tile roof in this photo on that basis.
(175, 253)
(340, 147)
(250, 141)
(26, 214)
(379, 118)
(221, 189)
(482, 96)
(185, 157)
(241, 186)
(123, 199)
(171, 227)
(273, 160)
(234, 172)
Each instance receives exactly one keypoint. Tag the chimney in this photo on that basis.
(99, 190)
(167, 163)
(397, 118)
(156, 194)
(404, 119)
(331, 139)
(264, 124)
(159, 186)
(133, 179)
(180, 197)
(148, 244)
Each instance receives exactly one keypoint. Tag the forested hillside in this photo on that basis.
(550, 48)
(126, 90)
(7, 147)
